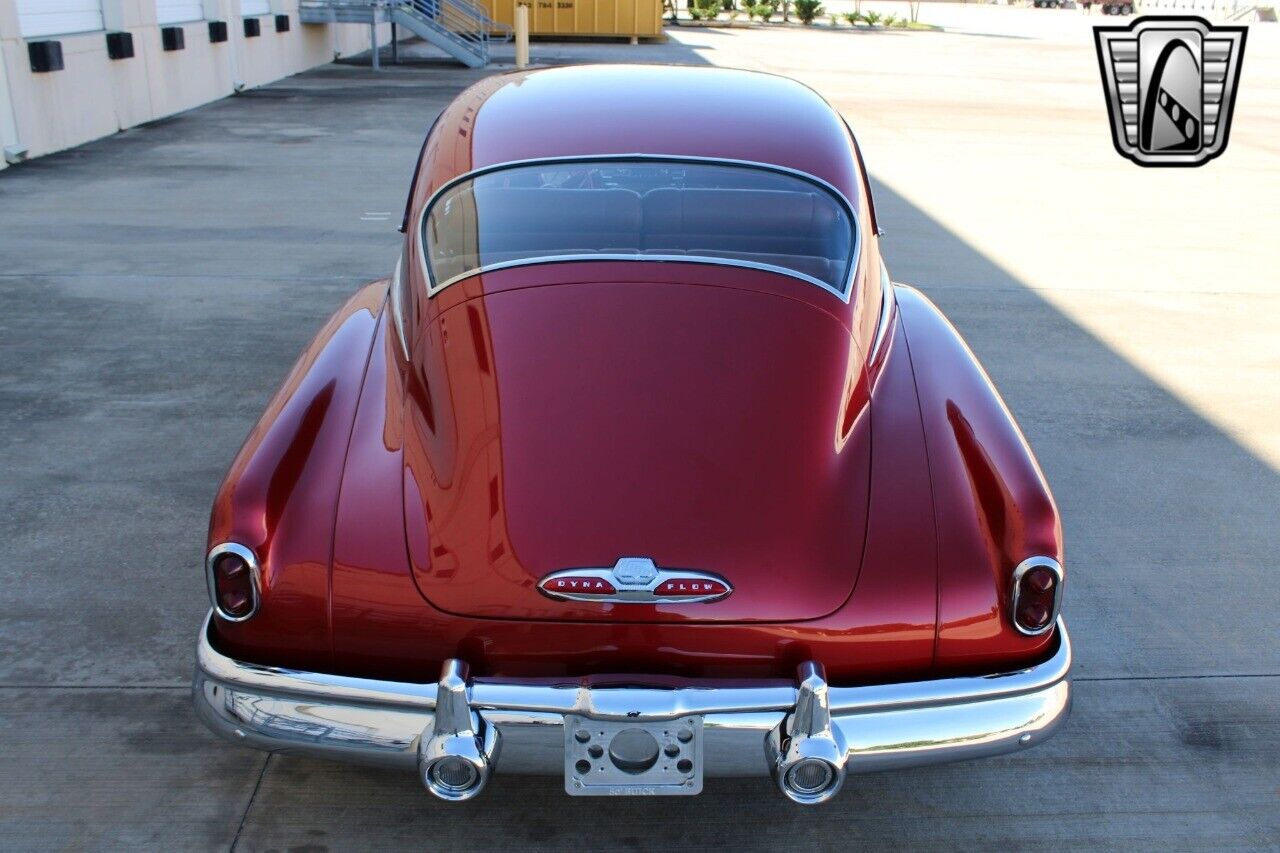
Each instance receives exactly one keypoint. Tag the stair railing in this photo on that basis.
(464, 20)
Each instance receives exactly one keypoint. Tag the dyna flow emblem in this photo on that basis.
(635, 580)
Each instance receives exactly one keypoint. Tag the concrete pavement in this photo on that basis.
(156, 286)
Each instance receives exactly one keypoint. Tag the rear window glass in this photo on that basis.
(639, 210)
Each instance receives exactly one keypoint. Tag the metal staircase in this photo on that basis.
(460, 28)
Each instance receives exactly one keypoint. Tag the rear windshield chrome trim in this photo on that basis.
(855, 251)
(662, 259)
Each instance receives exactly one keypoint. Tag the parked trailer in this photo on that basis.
(611, 18)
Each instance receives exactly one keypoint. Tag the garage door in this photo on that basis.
(178, 11)
(58, 17)
(250, 8)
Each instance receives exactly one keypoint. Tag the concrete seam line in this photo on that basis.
(235, 842)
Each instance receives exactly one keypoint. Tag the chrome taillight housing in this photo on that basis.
(1037, 595)
(234, 581)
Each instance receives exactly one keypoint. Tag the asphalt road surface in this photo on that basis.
(156, 286)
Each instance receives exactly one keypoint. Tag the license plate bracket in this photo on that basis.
(630, 758)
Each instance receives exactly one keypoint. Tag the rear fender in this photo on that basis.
(992, 504)
(280, 495)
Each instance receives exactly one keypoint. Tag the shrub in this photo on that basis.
(853, 18)
(807, 10)
(705, 10)
(764, 11)
(889, 21)
(872, 18)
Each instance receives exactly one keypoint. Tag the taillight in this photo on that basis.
(1037, 595)
(233, 581)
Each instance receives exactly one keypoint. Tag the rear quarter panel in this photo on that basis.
(280, 494)
(992, 504)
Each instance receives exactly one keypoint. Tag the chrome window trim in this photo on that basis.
(601, 256)
(886, 309)
(855, 249)
(255, 574)
(1024, 567)
(396, 296)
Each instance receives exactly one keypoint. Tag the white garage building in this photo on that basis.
(76, 70)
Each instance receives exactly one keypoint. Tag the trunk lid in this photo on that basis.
(708, 428)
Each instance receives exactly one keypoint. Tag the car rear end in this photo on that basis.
(643, 473)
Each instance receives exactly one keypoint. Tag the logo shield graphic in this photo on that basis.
(1171, 86)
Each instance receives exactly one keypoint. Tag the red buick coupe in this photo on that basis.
(638, 470)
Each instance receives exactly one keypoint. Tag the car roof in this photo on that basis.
(689, 111)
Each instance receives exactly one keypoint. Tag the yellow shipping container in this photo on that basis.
(583, 17)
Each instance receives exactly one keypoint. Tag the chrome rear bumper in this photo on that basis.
(751, 728)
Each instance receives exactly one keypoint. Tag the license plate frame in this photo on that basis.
(590, 770)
